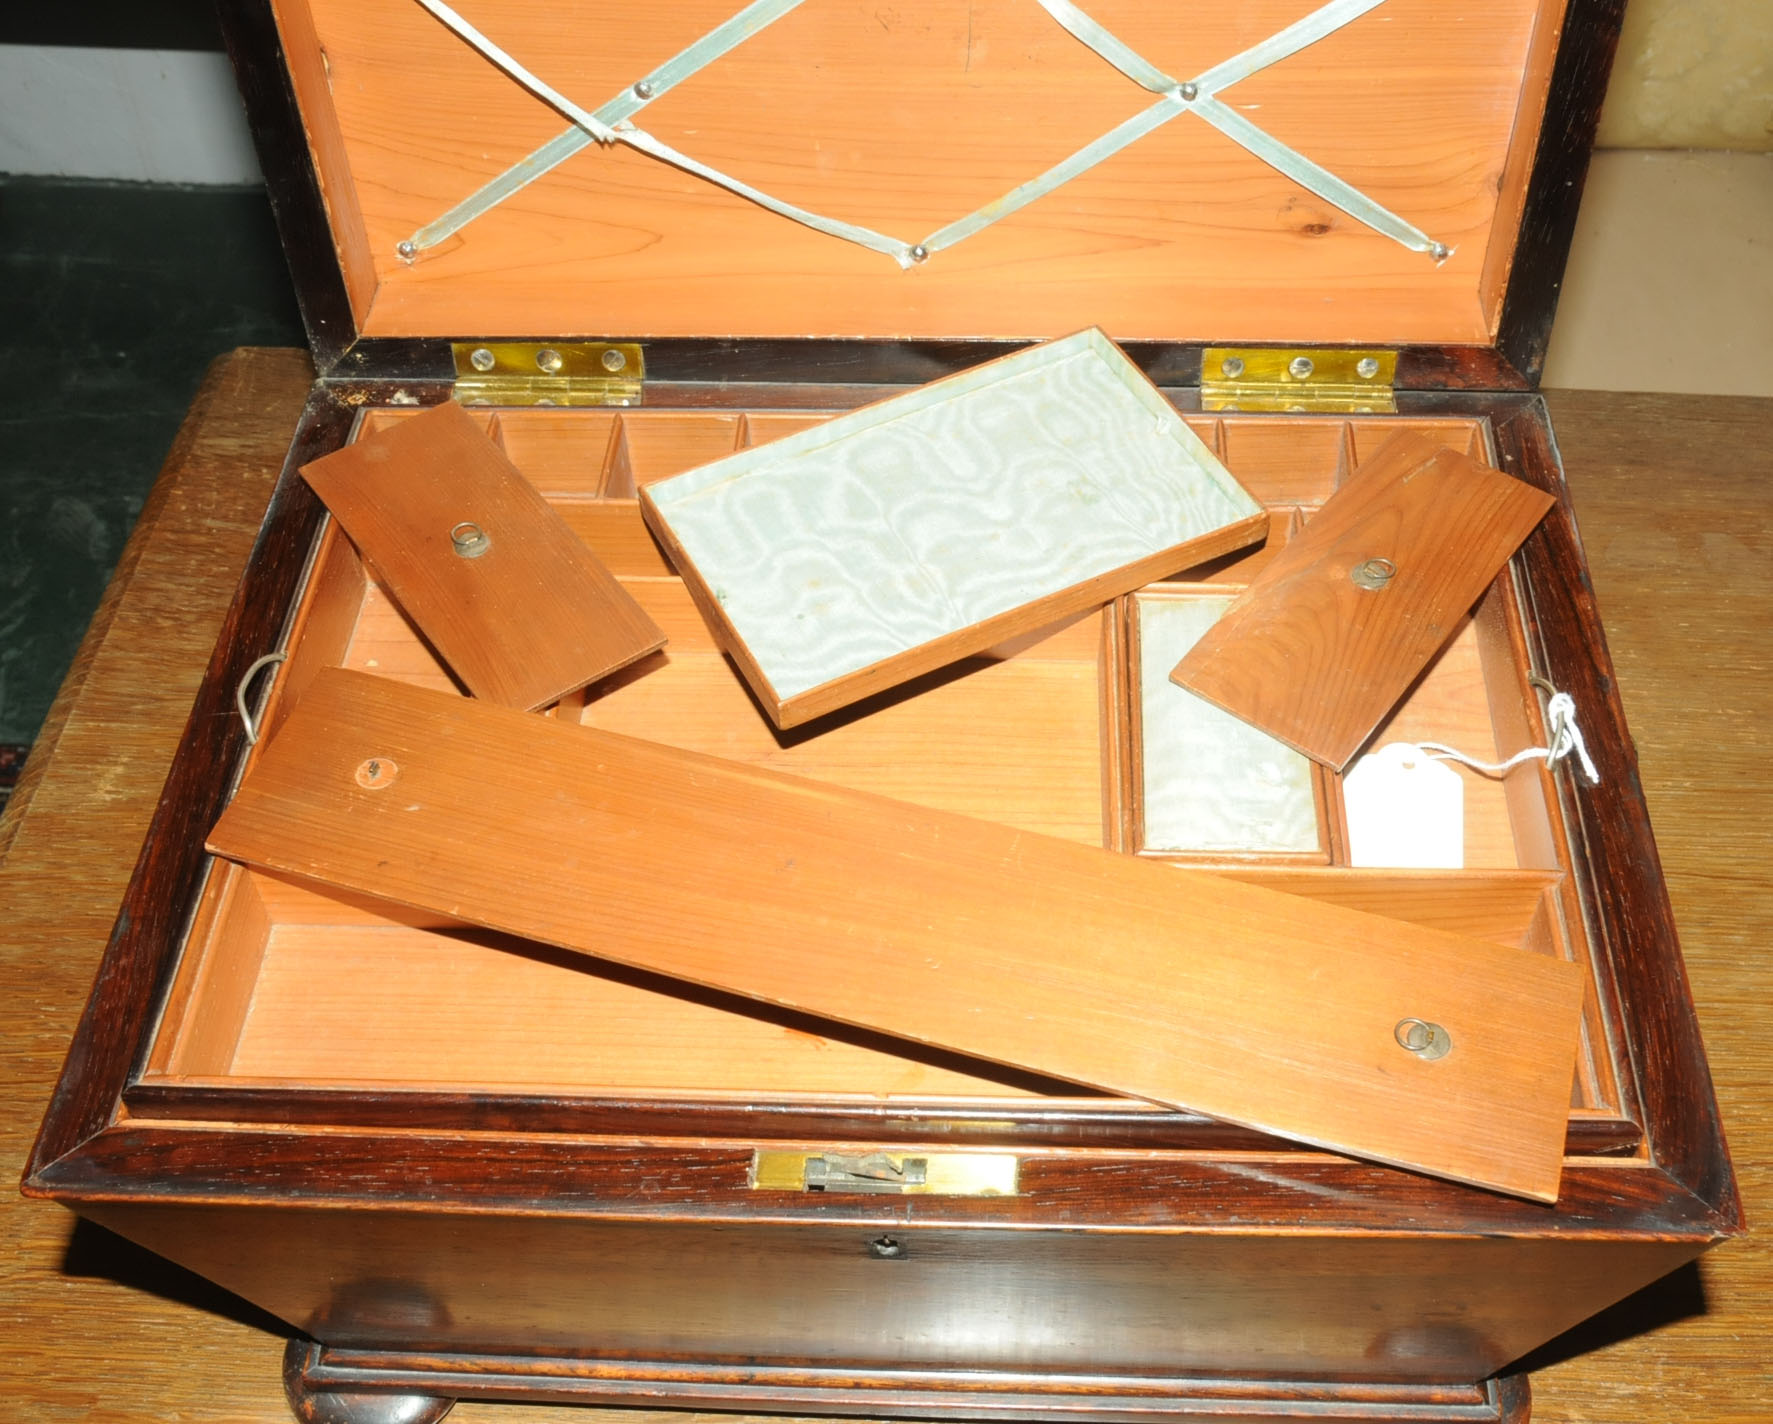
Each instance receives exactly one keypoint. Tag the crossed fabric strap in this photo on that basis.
(612, 123)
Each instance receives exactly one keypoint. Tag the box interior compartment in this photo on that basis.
(280, 987)
(907, 129)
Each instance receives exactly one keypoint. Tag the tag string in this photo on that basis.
(1565, 741)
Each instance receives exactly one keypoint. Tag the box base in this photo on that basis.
(327, 1385)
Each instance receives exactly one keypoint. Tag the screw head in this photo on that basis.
(1232, 367)
(481, 359)
(1300, 368)
(1440, 252)
(614, 360)
(1188, 91)
(920, 253)
(1366, 368)
(549, 360)
(886, 1248)
(643, 89)
(407, 250)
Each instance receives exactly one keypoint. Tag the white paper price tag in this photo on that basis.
(1405, 810)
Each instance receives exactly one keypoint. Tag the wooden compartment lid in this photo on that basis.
(1466, 121)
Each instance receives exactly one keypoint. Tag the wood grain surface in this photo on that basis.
(1671, 492)
(906, 122)
(531, 617)
(1150, 981)
(1317, 659)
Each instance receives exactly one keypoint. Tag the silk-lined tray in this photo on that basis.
(851, 557)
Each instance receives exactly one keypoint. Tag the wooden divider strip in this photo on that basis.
(1147, 980)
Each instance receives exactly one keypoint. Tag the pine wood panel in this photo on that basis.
(909, 120)
(533, 617)
(1313, 658)
(1144, 980)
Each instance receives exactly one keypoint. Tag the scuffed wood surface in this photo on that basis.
(1672, 493)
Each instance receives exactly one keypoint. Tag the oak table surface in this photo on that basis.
(1671, 493)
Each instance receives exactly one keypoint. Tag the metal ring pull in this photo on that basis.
(1373, 573)
(1424, 1039)
(470, 540)
(258, 666)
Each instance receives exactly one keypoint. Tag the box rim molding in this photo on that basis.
(90, 1149)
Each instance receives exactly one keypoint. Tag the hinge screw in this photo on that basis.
(549, 360)
(614, 360)
(1300, 368)
(481, 359)
(1366, 368)
(1232, 367)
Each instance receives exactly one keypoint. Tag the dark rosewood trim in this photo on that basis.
(117, 1024)
(625, 1179)
(81, 1158)
(1621, 875)
(821, 361)
(1554, 193)
(754, 1386)
(250, 31)
(1036, 1125)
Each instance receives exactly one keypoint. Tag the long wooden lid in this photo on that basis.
(904, 120)
(1341, 1029)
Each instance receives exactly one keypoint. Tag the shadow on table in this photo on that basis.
(96, 1252)
(1677, 1296)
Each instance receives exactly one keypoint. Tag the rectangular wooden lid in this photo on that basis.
(904, 120)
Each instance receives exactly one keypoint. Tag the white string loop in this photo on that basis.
(1565, 738)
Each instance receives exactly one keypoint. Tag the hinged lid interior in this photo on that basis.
(1420, 116)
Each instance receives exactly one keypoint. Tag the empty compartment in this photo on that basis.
(655, 444)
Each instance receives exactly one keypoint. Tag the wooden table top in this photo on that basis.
(1672, 493)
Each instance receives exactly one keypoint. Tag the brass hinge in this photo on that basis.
(952, 1174)
(1333, 379)
(542, 373)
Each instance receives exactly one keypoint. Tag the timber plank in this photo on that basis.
(1317, 660)
(1147, 980)
(533, 617)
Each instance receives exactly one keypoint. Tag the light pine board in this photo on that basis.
(535, 616)
(1317, 660)
(1146, 980)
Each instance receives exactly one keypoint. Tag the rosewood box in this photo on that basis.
(630, 243)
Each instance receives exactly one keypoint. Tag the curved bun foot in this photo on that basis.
(313, 1406)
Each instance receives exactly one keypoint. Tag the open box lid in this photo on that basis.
(840, 170)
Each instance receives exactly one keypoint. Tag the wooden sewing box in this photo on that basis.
(463, 1166)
